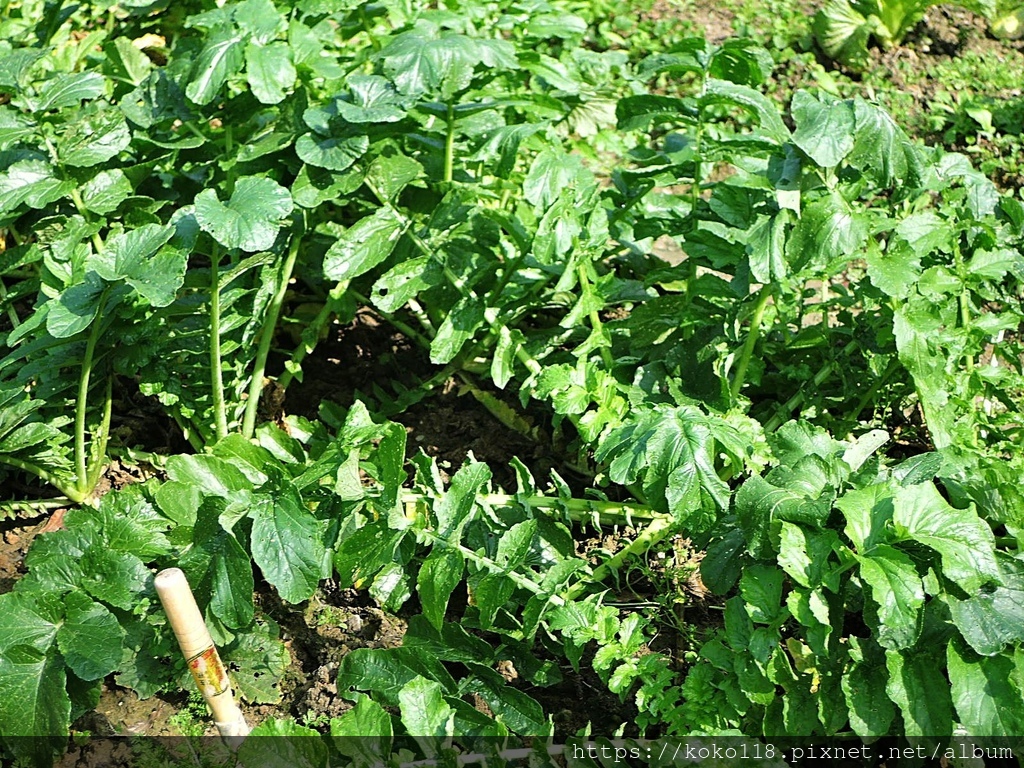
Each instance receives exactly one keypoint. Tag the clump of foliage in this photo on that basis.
(178, 185)
(843, 28)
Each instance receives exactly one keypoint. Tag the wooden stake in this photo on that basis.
(200, 654)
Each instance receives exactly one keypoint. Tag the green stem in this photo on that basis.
(421, 316)
(449, 144)
(76, 198)
(790, 405)
(872, 392)
(752, 338)
(698, 173)
(68, 490)
(31, 508)
(82, 477)
(485, 562)
(99, 441)
(650, 536)
(18, 239)
(267, 335)
(195, 131)
(607, 513)
(965, 302)
(216, 373)
(157, 460)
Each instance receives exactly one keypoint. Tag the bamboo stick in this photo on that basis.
(200, 654)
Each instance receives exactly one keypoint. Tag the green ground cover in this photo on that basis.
(757, 309)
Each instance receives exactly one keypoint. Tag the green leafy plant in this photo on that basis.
(636, 259)
(843, 28)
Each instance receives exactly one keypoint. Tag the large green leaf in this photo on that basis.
(94, 139)
(33, 697)
(29, 620)
(270, 71)
(863, 683)
(69, 89)
(987, 703)
(440, 573)
(89, 638)
(136, 258)
(843, 33)
(105, 191)
(221, 57)
(914, 328)
(251, 218)
(76, 307)
(829, 229)
(364, 733)
(114, 577)
(757, 104)
(460, 500)
(218, 569)
(425, 714)
(287, 544)
(373, 100)
(280, 742)
(362, 554)
(364, 245)
(919, 688)
(897, 589)
(334, 154)
(419, 65)
(385, 671)
(521, 713)
(32, 182)
(804, 554)
(880, 148)
(405, 281)
(990, 619)
(824, 127)
(258, 660)
(867, 511)
(551, 172)
(210, 474)
(963, 540)
(673, 450)
(458, 327)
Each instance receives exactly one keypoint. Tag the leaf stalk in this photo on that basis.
(81, 403)
(267, 334)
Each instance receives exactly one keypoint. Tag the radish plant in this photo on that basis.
(789, 334)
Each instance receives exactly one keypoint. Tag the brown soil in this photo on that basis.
(713, 22)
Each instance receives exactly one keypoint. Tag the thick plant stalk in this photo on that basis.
(82, 476)
(579, 510)
(651, 535)
(99, 445)
(69, 490)
(216, 373)
(200, 654)
(752, 338)
(267, 336)
(449, 144)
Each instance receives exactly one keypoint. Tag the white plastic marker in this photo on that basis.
(200, 654)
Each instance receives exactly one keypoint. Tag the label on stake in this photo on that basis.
(209, 673)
